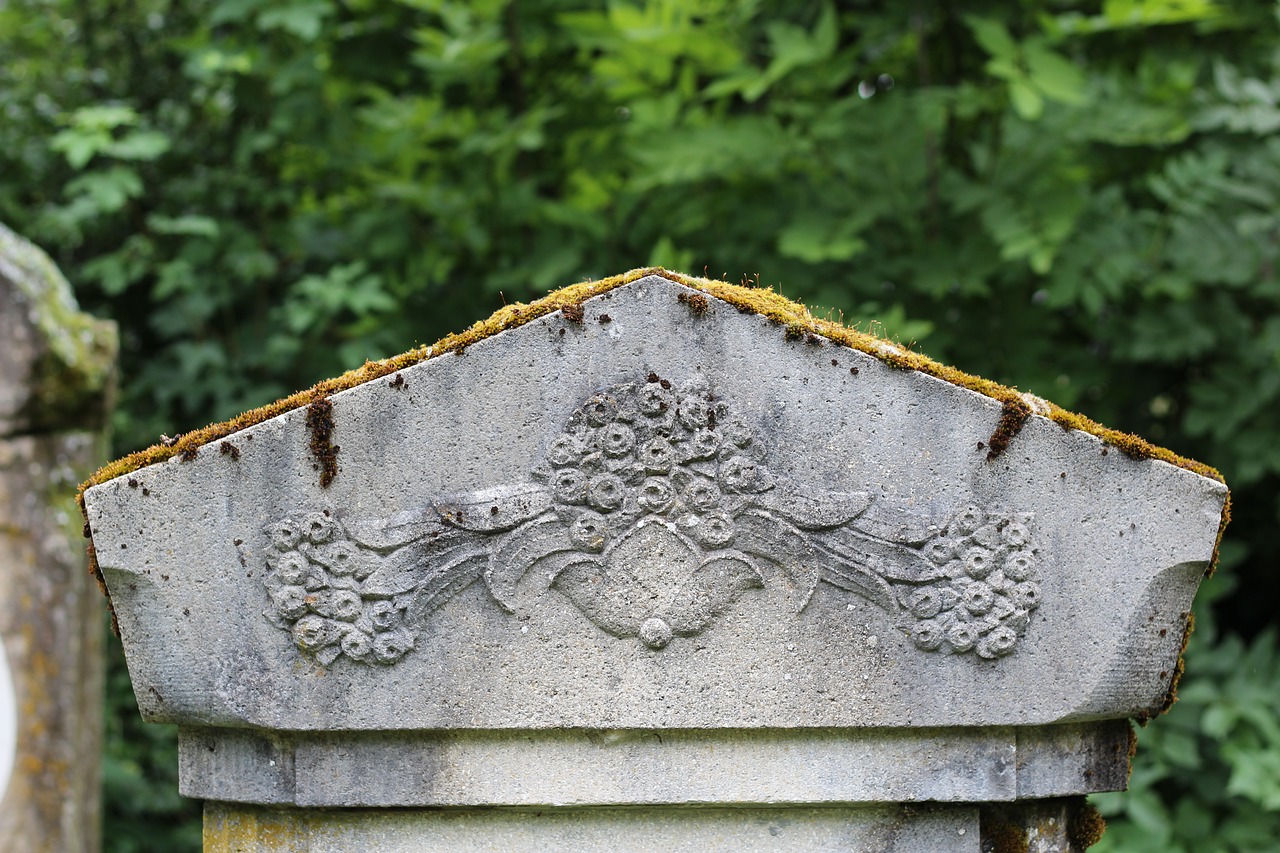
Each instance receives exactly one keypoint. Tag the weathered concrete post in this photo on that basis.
(57, 370)
(654, 563)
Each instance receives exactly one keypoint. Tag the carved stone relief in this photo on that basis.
(654, 512)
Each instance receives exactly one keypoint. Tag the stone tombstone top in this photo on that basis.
(57, 364)
(655, 508)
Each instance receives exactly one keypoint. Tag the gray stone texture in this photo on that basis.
(1117, 546)
(236, 829)
(609, 574)
(57, 364)
(682, 767)
(56, 373)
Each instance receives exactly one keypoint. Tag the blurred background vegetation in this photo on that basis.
(1081, 199)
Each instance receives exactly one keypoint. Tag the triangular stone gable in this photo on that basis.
(652, 509)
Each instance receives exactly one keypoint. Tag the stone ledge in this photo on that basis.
(605, 768)
(235, 829)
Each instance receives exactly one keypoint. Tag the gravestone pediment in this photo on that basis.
(653, 510)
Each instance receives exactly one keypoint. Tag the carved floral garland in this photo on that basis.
(653, 512)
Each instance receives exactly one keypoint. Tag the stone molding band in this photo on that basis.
(650, 767)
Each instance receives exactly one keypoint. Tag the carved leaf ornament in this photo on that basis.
(653, 513)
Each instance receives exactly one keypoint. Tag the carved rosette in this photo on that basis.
(653, 512)
(316, 582)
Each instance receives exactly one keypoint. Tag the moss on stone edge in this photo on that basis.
(797, 322)
(1085, 825)
(74, 374)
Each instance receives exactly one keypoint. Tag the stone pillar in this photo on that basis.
(56, 374)
(656, 563)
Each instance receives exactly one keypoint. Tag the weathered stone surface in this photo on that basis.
(57, 365)
(233, 829)
(56, 368)
(602, 768)
(842, 553)
(1059, 825)
(654, 552)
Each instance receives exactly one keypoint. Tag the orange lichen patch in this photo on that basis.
(798, 323)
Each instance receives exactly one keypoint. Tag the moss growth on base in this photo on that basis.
(1085, 826)
(1003, 836)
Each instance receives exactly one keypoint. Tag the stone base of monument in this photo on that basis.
(824, 789)
(626, 830)
(1033, 826)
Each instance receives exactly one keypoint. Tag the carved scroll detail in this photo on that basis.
(654, 512)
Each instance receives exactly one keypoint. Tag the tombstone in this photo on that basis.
(654, 563)
(56, 375)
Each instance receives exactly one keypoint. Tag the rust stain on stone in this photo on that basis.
(323, 450)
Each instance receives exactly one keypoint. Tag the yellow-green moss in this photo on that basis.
(795, 318)
(73, 375)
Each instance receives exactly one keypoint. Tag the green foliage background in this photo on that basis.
(1080, 199)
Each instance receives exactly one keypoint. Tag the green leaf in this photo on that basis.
(176, 277)
(1026, 101)
(1056, 77)
(302, 19)
(139, 145)
(814, 238)
(190, 225)
(993, 36)
(1255, 775)
(1219, 720)
(103, 117)
(108, 190)
(1145, 809)
(665, 254)
(78, 147)
(229, 11)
